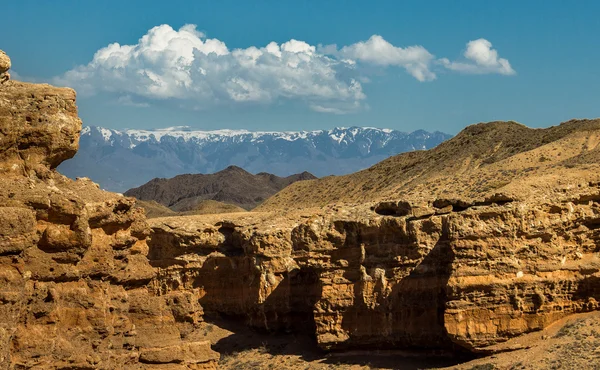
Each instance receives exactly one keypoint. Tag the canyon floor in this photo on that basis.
(570, 343)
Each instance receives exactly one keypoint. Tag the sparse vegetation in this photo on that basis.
(569, 328)
(543, 158)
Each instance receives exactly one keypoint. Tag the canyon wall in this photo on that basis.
(87, 282)
(427, 278)
(74, 273)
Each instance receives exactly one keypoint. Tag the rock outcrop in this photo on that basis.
(465, 279)
(457, 269)
(4, 67)
(463, 253)
(74, 272)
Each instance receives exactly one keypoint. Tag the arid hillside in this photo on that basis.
(154, 209)
(489, 243)
(232, 185)
(482, 160)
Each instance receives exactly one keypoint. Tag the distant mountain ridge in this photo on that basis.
(119, 160)
(232, 185)
(494, 160)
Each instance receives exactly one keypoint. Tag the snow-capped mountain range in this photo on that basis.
(119, 160)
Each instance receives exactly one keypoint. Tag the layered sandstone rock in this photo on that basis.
(424, 271)
(471, 278)
(74, 272)
(462, 259)
(521, 267)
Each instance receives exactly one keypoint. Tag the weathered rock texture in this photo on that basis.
(463, 268)
(74, 271)
(4, 67)
(488, 237)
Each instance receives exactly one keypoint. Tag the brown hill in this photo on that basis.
(233, 186)
(482, 160)
(154, 209)
(206, 207)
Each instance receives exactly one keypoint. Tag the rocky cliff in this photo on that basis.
(461, 252)
(74, 275)
(457, 279)
(450, 262)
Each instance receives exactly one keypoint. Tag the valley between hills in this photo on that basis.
(481, 253)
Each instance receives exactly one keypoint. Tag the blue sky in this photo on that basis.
(434, 65)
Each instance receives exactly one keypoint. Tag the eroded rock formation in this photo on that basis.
(73, 267)
(469, 279)
(503, 242)
(424, 271)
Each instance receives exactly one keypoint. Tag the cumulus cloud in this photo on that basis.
(185, 65)
(480, 59)
(376, 50)
(197, 72)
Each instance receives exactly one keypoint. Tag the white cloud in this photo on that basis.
(481, 59)
(129, 101)
(376, 50)
(345, 109)
(185, 65)
(17, 77)
(197, 72)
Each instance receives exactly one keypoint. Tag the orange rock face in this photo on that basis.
(521, 267)
(462, 279)
(87, 282)
(74, 271)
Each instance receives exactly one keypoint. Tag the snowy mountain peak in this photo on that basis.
(338, 135)
(122, 159)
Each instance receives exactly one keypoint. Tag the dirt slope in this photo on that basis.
(480, 161)
(154, 209)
